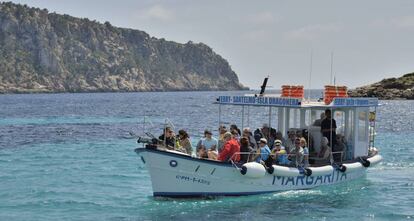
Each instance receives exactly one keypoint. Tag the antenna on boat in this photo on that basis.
(310, 74)
(332, 55)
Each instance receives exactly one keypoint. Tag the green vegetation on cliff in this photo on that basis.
(390, 88)
(48, 52)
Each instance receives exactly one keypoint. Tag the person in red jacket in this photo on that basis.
(231, 146)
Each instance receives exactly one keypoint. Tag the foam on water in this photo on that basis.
(65, 157)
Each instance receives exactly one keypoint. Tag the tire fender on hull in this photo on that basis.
(350, 167)
(285, 171)
(253, 170)
(320, 171)
(375, 160)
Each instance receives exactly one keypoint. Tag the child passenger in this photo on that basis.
(304, 145)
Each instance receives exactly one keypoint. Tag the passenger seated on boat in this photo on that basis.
(222, 130)
(263, 132)
(339, 148)
(202, 153)
(263, 152)
(245, 150)
(325, 152)
(290, 141)
(297, 154)
(279, 136)
(234, 129)
(272, 138)
(184, 142)
(167, 139)
(309, 140)
(230, 149)
(304, 145)
(298, 134)
(279, 153)
(249, 136)
(209, 143)
(235, 135)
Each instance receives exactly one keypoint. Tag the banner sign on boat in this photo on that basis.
(260, 101)
(354, 102)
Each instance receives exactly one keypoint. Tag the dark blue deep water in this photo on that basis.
(70, 157)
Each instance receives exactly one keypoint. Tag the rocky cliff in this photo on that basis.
(48, 52)
(390, 88)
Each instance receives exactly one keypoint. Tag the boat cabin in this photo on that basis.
(355, 117)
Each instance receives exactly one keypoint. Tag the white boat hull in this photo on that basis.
(175, 175)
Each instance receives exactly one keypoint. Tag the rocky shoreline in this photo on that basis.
(42, 52)
(388, 89)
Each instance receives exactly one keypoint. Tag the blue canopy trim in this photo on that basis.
(354, 102)
(260, 101)
(295, 102)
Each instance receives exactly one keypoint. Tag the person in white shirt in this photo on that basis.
(209, 144)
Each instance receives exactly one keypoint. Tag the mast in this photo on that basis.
(263, 87)
(331, 66)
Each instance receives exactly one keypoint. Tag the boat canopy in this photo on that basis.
(268, 101)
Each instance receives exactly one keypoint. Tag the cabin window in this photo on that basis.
(253, 117)
(339, 117)
(362, 126)
(294, 118)
(349, 134)
(308, 118)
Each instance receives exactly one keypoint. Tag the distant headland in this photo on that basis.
(42, 52)
(388, 89)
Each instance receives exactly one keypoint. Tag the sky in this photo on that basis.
(291, 41)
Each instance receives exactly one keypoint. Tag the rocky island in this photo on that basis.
(42, 52)
(388, 89)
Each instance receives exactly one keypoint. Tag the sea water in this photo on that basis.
(70, 157)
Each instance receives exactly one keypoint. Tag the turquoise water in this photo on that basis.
(69, 157)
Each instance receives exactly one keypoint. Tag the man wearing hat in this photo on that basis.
(279, 153)
(263, 151)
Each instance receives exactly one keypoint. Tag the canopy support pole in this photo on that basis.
(242, 118)
(270, 117)
(219, 116)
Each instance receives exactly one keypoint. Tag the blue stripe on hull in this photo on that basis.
(205, 194)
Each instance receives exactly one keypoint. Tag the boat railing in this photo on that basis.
(274, 155)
